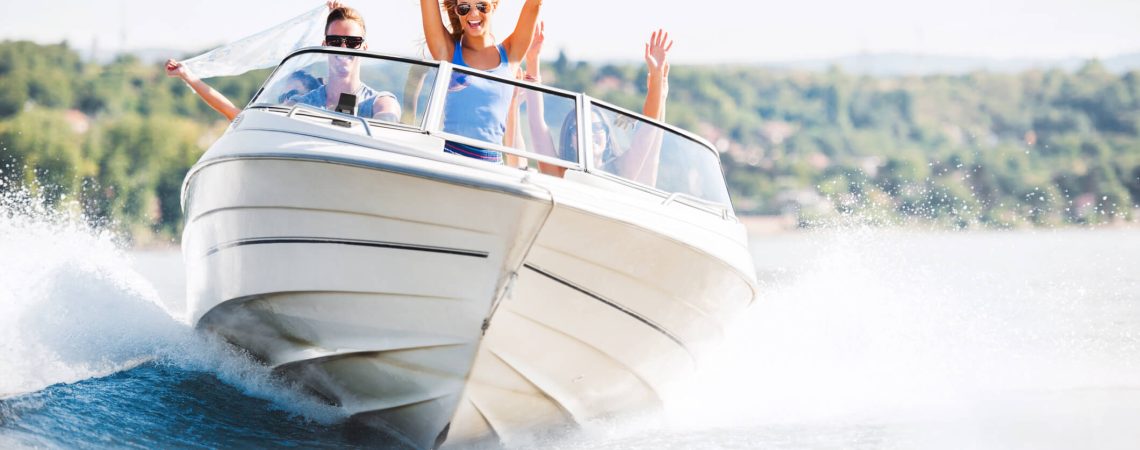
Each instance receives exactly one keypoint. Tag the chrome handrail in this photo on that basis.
(725, 211)
(432, 123)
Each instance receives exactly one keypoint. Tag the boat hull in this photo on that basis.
(442, 297)
(369, 285)
(608, 313)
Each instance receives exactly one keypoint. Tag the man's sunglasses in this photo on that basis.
(463, 8)
(333, 40)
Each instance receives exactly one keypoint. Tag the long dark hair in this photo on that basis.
(569, 136)
(308, 82)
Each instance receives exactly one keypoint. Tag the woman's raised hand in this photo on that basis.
(334, 4)
(657, 52)
(177, 70)
(535, 48)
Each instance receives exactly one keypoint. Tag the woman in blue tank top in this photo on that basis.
(477, 108)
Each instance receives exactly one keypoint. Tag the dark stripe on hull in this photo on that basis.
(614, 305)
(358, 243)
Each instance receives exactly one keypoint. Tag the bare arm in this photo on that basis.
(386, 108)
(656, 53)
(542, 141)
(535, 107)
(642, 161)
(519, 41)
(212, 97)
(439, 42)
(513, 136)
(412, 89)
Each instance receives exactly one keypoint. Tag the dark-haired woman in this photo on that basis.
(639, 162)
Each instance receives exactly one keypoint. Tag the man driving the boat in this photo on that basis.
(345, 28)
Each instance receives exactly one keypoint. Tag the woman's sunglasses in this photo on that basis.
(463, 8)
(333, 40)
(598, 128)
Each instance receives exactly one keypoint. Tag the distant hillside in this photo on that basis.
(902, 64)
(875, 64)
(982, 149)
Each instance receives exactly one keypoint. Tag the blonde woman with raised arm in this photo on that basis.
(477, 108)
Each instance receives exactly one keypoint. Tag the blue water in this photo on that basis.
(93, 356)
(161, 405)
(863, 338)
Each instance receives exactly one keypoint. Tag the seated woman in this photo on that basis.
(640, 161)
(298, 83)
(477, 108)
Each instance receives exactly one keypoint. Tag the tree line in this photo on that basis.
(1041, 147)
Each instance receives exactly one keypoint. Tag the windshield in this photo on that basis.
(485, 110)
(638, 150)
(500, 121)
(384, 90)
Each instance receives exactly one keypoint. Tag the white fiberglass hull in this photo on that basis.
(369, 284)
(608, 312)
(426, 292)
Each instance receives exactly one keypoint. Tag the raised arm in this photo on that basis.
(541, 139)
(518, 42)
(656, 53)
(535, 108)
(414, 85)
(215, 99)
(513, 136)
(439, 42)
(642, 160)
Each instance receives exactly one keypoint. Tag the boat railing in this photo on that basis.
(558, 105)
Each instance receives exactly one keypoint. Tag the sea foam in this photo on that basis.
(73, 308)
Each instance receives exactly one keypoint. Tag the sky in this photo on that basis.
(705, 31)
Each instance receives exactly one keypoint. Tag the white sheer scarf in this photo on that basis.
(264, 49)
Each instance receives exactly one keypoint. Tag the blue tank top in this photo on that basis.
(477, 107)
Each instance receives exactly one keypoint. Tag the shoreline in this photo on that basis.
(761, 225)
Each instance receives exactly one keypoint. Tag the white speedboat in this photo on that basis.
(449, 298)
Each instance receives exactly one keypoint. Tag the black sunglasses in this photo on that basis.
(463, 8)
(333, 40)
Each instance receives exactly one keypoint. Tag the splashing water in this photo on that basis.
(72, 309)
(861, 338)
(872, 338)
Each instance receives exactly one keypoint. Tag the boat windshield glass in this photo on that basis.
(488, 117)
(635, 149)
(386, 90)
(523, 117)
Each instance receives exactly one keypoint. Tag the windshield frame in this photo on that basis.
(591, 101)
(432, 123)
(351, 52)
